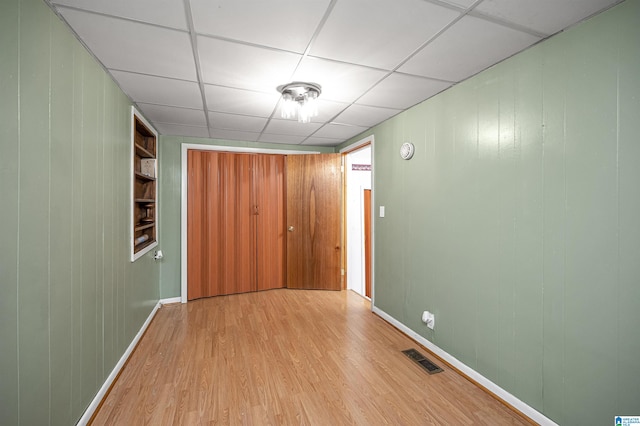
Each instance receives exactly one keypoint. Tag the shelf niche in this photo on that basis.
(144, 188)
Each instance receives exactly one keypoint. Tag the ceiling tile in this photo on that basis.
(284, 24)
(178, 130)
(460, 3)
(361, 115)
(173, 115)
(545, 16)
(326, 110)
(247, 123)
(339, 131)
(390, 31)
(171, 14)
(237, 65)
(158, 90)
(468, 47)
(236, 101)
(401, 91)
(316, 141)
(340, 82)
(351, 48)
(234, 135)
(286, 139)
(130, 46)
(291, 127)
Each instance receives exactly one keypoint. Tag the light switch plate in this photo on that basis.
(381, 211)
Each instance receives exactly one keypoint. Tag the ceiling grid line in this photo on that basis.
(210, 68)
(304, 55)
(196, 60)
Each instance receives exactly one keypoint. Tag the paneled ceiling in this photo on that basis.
(210, 68)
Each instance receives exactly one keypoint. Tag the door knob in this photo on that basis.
(290, 228)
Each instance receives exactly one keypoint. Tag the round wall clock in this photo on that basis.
(406, 150)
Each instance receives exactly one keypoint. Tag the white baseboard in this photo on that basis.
(170, 300)
(114, 373)
(516, 403)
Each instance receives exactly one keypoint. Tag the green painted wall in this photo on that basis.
(71, 300)
(517, 221)
(170, 199)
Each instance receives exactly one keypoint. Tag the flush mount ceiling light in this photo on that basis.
(300, 98)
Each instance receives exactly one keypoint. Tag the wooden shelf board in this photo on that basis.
(141, 176)
(143, 152)
(145, 226)
(144, 200)
(143, 245)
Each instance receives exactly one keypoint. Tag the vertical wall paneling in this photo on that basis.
(61, 195)
(412, 171)
(9, 209)
(628, 292)
(591, 219)
(72, 301)
(554, 76)
(507, 188)
(487, 216)
(88, 201)
(522, 233)
(34, 205)
(77, 402)
(528, 207)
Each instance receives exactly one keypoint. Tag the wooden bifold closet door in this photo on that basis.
(235, 223)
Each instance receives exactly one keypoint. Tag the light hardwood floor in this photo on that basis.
(287, 357)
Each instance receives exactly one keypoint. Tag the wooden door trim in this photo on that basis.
(185, 147)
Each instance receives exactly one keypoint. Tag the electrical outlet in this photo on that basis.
(431, 322)
(429, 319)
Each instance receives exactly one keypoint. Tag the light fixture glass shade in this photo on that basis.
(299, 99)
(288, 106)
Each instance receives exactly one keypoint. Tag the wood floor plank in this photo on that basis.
(287, 357)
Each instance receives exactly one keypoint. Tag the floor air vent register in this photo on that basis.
(422, 361)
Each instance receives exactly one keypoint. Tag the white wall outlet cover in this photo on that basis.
(431, 322)
(381, 211)
(429, 319)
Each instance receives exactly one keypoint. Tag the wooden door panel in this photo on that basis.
(236, 227)
(220, 227)
(269, 201)
(313, 210)
(367, 242)
(197, 226)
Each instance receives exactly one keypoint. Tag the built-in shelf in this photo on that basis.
(144, 187)
(143, 176)
(142, 227)
(142, 152)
